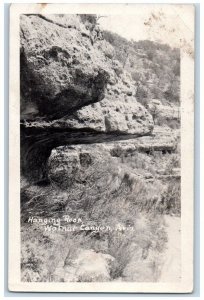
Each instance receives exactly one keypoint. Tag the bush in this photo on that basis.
(171, 198)
(141, 93)
(159, 62)
(119, 246)
(89, 18)
(171, 123)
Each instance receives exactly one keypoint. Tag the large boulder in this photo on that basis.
(83, 167)
(87, 266)
(117, 112)
(60, 68)
(70, 81)
(119, 116)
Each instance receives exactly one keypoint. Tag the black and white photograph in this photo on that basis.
(100, 133)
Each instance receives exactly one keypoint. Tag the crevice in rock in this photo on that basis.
(37, 144)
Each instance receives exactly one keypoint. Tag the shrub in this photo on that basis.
(119, 246)
(90, 18)
(171, 123)
(171, 198)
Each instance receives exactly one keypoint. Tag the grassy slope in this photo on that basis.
(136, 202)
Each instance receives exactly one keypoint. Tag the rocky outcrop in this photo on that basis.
(164, 111)
(69, 81)
(72, 167)
(72, 90)
(38, 142)
(73, 93)
(107, 116)
(60, 70)
(162, 139)
(75, 166)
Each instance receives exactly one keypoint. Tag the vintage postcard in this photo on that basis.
(101, 139)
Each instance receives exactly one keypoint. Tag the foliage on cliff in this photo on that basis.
(155, 67)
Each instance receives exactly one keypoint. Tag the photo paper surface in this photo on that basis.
(101, 148)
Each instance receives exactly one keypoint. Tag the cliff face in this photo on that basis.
(71, 83)
(59, 66)
(73, 92)
(64, 70)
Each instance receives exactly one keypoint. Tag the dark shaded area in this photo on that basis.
(37, 143)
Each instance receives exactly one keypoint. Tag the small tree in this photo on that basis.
(154, 112)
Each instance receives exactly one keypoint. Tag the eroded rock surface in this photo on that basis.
(60, 70)
(63, 72)
(84, 166)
